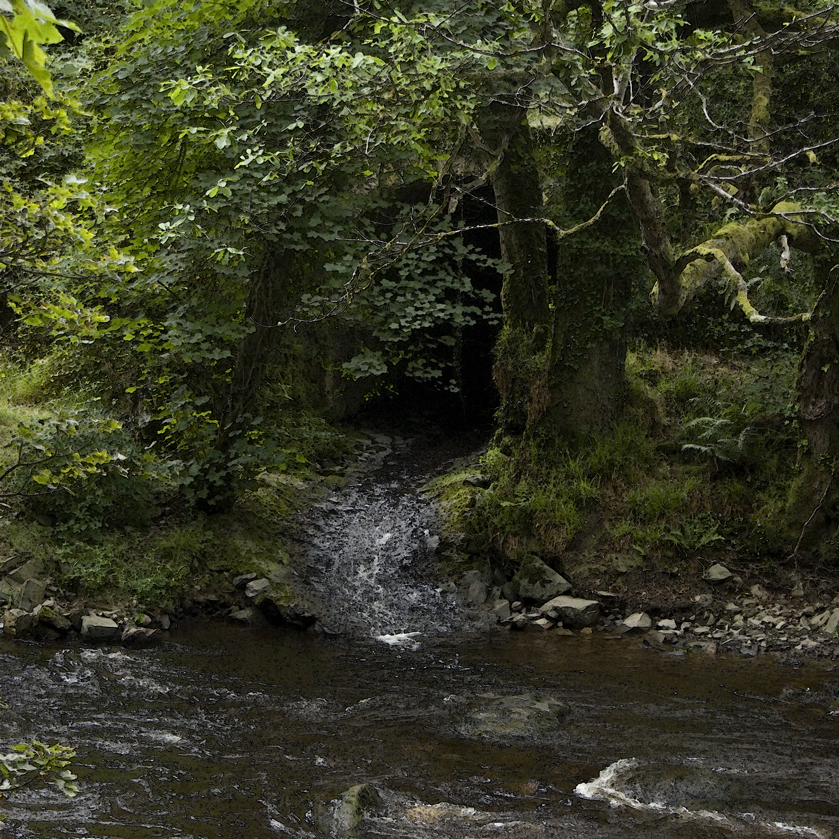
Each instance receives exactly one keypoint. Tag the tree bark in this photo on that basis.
(595, 272)
(521, 347)
(813, 508)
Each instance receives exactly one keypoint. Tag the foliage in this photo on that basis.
(32, 24)
(30, 763)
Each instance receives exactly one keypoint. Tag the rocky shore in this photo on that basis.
(729, 617)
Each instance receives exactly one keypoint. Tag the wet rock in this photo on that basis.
(473, 589)
(9, 591)
(344, 814)
(537, 582)
(638, 621)
(574, 612)
(137, 636)
(504, 717)
(96, 628)
(540, 624)
(717, 574)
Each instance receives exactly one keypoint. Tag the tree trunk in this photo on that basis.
(521, 348)
(814, 501)
(595, 271)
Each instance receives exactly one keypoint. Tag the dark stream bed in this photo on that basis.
(221, 731)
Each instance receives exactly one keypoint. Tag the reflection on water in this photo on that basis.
(226, 732)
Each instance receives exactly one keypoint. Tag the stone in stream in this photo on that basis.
(18, 623)
(535, 581)
(95, 628)
(504, 717)
(344, 814)
(572, 611)
(640, 621)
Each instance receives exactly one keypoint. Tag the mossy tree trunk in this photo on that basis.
(596, 269)
(521, 349)
(814, 501)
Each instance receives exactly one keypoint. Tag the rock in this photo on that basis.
(32, 594)
(797, 590)
(344, 814)
(473, 589)
(703, 601)
(572, 611)
(832, 623)
(504, 717)
(250, 615)
(667, 623)
(501, 610)
(717, 574)
(31, 570)
(9, 591)
(536, 581)
(243, 579)
(541, 624)
(256, 587)
(640, 620)
(95, 628)
(518, 621)
(17, 623)
(48, 615)
(137, 635)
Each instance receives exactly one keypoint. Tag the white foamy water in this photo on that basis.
(609, 786)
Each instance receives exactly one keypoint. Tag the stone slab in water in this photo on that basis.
(572, 611)
(95, 628)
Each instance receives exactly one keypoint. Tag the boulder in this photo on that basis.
(504, 717)
(18, 623)
(31, 570)
(473, 589)
(572, 611)
(32, 593)
(344, 814)
(95, 628)
(535, 581)
(717, 574)
(48, 615)
(137, 635)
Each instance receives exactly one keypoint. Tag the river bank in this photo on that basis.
(746, 608)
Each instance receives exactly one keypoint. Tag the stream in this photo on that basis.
(224, 732)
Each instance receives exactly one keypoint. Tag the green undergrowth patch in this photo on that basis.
(90, 497)
(698, 466)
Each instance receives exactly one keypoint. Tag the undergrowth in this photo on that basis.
(698, 466)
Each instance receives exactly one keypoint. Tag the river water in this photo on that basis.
(223, 732)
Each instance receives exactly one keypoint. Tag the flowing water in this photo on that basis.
(221, 732)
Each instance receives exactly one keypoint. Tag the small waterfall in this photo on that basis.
(369, 548)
